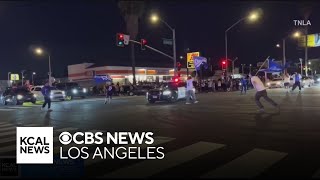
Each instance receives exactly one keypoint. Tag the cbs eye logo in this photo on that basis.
(65, 138)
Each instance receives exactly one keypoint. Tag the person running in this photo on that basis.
(190, 92)
(244, 87)
(261, 92)
(46, 90)
(109, 91)
(286, 81)
(297, 78)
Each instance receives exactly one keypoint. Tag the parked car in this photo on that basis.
(17, 96)
(275, 83)
(72, 90)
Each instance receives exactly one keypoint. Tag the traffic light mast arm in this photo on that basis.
(156, 50)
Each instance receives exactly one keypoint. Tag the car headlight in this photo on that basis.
(63, 92)
(74, 91)
(318, 79)
(84, 90)
(268, 84)
(19, 97)
(240, 84)
(51, 93)
(166, 92)
(34, 95)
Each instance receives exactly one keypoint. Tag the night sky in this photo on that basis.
(84, 31)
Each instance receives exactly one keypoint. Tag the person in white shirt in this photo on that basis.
(286, 81)
(261, 92)
(190, 92)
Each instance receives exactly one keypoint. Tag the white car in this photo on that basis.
(275, 83)
(56, 94)
(307, 81)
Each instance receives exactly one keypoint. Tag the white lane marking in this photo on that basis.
(157, 140)
(148, 168)
(248, 165)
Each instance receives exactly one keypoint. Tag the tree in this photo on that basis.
(132, 12)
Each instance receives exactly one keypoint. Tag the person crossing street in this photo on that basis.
(297, 79)
(46, 90)
(261, 92)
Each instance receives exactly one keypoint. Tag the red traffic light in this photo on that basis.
(120, 36)
(143, 41)
(223, 62)
(176, 79)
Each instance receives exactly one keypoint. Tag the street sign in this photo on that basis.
(126, 39)
(190, 63)
(14, 77)
(167, 41)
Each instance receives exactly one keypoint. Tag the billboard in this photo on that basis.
(14, 77)
(190, 63)
(313, 40)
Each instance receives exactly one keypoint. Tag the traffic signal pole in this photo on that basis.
(156, 50)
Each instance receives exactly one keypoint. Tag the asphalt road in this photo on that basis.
(221, 136)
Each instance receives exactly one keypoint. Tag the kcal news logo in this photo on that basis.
(34, 145)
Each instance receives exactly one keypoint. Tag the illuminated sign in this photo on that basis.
(14, 77)
(190, 63)
(313, 40)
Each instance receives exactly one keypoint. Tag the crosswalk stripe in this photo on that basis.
(157, 140)
(317, 174)
(18, 107)
(150, 167)
(7, 133)
(5, 125)
(248, 165)
(7, 109)
(7, 128)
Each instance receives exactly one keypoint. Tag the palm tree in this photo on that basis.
(132, 12)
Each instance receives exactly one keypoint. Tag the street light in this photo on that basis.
(253, 16)
(34, 73)
(22, 77)
(278, 45)
(181, 57)
(242, 65)
(40, 52)
(154, 19)
(294, 35)
(9, 83)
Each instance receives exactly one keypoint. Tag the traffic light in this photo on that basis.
(179, 68)
(120, 39)
(143, 44)
(224, 64)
